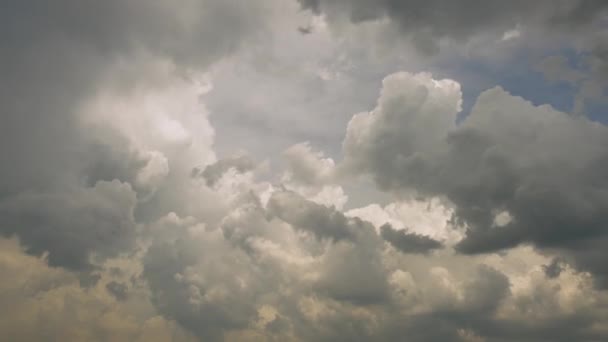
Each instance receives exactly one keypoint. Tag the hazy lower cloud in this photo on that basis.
(294, 170)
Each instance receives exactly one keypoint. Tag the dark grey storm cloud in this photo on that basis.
(54, 56)
(308, 216)
(73, 226)
(353, 270)
(408, 242)
(542, 169)
(184, 300)
(485, 290)
(429, 21)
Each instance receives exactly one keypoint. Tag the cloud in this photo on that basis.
(323, 222)
(73, 227)
(588, 78)
(312, 175)
(428, 22)
(55, 56)
(199, 282)
(408, 242)
(307, 167)
(98, 92)
(413, 114)
(212, 173)
(432, 218)
(555, 68)
(553, 269)
(540, 166)
(259, 276)
(351, 270)
(122, 219)
(118, 290)
(48, 303)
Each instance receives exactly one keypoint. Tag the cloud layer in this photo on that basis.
(426, 23)
(126, 214)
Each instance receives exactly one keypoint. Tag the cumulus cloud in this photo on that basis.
(539, 165)
(212, 173)
(93, 94)
(312, 175)
(304, 166)
(49, 303)
(404, 131)
(75, 226)
(323, 222)
(57, 55)
(121, 217)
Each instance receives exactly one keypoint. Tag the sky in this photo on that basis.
(304, 170)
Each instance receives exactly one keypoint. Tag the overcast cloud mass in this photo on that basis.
(304, 170)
